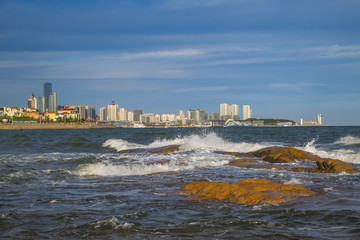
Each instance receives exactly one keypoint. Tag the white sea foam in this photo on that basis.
(296, 181)
(206, 142)
(120, 144)
(104, 169)
(346, 155)
(348, 140)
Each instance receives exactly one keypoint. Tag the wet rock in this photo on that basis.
(165, 162)
(165, 149)
(283, 155)
(335, 166)
(249, 191)
(245, 160)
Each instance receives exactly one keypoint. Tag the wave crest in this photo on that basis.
(348, 140)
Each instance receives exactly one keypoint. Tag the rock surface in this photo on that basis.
(248, 191)
(272, 156)
(283, 155)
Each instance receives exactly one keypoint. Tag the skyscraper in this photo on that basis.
(53, 102)
(47, 91)
(42, 108)
(122, 114)
(137, 114)
(113, 112)
(247, 113)
(103, 114)
(191, 114)
(235, 112)
(225, 111)
(32, 103)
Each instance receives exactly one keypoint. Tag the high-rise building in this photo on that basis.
(214, 116)
(130, 116)
(235, 112)
(103, 114)
(82, 112)
(201, 115)
(191, 114)
(247, 113)
(113, 112)
(225, 111)
(90, 113)
(137, 114)
(42, 107)
(123, 114)
(47, 87)
(32, 103)
(53, 102)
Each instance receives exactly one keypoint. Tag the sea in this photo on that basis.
(73, 184)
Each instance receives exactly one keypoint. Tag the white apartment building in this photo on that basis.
(247, 112)
(113, 112)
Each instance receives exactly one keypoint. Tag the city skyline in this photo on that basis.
(284, 59)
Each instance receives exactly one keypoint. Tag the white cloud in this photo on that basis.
(164, 54)
(203, 89)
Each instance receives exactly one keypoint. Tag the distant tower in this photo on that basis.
(301, 121)
(319, 117)
(103, 114)
(113, 112)
(47, 91)
(247, 113)
(32, 103)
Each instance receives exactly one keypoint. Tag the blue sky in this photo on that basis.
(286, 59)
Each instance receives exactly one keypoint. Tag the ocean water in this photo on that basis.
(72, 184)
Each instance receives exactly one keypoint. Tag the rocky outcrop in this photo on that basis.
(249, 191)
(272, 156)
(283, 155)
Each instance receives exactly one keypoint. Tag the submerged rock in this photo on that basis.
(248, 191)
(335, 166)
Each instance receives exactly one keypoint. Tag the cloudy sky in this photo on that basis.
(286, 59)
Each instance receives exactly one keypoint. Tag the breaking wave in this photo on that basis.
(209, 142)
(348, 140)
(346, 155)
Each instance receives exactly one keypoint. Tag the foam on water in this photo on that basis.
(207, 142)
(346, 155)
(106, 170)
(296, 181)
(348, 140)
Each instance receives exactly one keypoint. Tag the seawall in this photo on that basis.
(34, 126)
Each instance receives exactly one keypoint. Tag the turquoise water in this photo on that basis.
(72, 184)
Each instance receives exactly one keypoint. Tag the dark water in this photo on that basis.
(71, 184)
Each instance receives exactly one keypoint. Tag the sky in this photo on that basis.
(286, 59)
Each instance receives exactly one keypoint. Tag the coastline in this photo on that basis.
(38, 126)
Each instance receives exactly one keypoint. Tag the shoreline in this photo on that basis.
(40, 126)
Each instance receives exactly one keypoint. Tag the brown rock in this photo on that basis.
(335, 166)
(250, 192)
(283, 155)
(246, 160)
(237, 154)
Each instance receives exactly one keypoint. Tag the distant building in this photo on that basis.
(103, 114)
(201, 115)
(137, 114)
(42, 106)
(225, 111)
(130, 116)
(123, 114)
(192, 114)
(319, 117)
(113, 112)
(32, 103)
(53, 102)
(235, 112)
(247, 113)
(214, 117)
(82, 112)
(47, 88)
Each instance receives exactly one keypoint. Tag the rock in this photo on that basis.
(245, 160)
(165, 149)
(283, 155)
(335, 166)
(250, 192)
